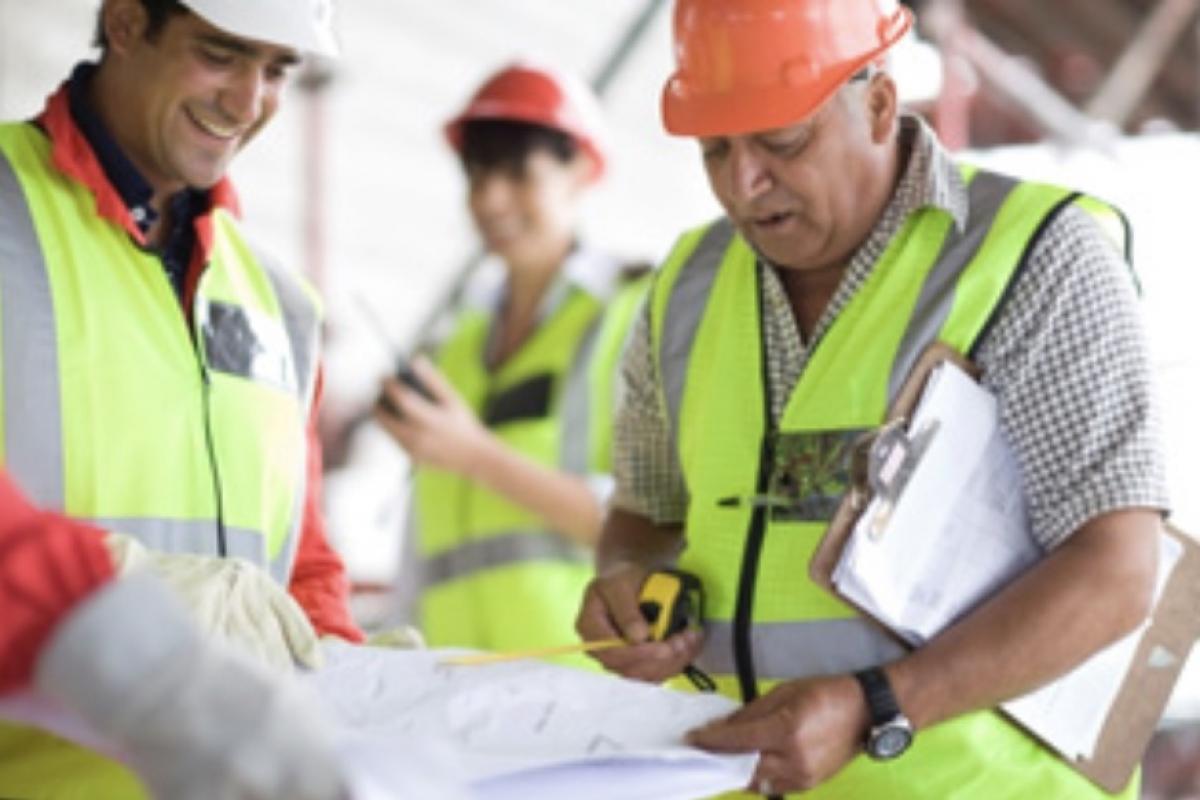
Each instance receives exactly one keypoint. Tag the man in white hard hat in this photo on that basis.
(160, 373)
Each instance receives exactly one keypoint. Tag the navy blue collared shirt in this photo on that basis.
(135, 191)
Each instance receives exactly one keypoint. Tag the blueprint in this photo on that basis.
(408, 726)
(521, 729)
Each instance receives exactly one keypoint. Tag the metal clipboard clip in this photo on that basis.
(883, 463)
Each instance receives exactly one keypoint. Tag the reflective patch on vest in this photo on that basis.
(811, 473)
(529, 399)
(239, 341)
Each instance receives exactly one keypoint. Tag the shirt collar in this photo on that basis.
(931, 178)
(585, 268)
(76, 155)
(134, 190)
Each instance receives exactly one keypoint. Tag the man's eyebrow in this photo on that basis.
(242, 47)
(785, 134)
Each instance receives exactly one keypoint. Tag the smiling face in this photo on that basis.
(807, 195)
(524, 186)
(183, 102)
(526, 214)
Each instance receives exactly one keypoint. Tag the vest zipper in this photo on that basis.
(210, 445)
(743, 615)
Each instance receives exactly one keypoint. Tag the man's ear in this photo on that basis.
(882, 107)
(125, 23)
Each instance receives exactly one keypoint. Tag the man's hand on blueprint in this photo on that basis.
(806, 730)
(610, 610)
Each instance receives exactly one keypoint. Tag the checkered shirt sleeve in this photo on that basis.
(649, 480)
(1068, 361)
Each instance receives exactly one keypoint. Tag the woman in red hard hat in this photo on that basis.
(512, 435)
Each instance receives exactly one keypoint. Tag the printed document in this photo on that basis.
(521, 730)
(957, 533)
(406, 725)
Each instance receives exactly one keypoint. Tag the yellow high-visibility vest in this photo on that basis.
(495, 576)
(112, 411)
(766, 620)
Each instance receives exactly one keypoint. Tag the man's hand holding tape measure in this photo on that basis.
(620, 602)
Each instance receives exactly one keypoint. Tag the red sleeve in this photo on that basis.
(48, 564)
(319, 581)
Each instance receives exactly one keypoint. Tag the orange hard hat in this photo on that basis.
(526, 92)
(752, 65)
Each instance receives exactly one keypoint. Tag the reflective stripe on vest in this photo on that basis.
(499, 551)
(187, 536)
(32, 429)
(765, 620)
(302, 321)
(36, 420)
(786, 649)
(574, 454)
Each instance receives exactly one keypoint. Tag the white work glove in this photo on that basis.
(402, 637)
(196, 720)
(229, 599)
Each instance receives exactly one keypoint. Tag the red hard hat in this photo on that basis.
(526, 92)
(752, 65)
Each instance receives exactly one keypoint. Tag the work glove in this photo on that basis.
(402, 637)
(195, 719)
(229, 599)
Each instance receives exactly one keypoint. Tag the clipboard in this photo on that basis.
(1161, 652)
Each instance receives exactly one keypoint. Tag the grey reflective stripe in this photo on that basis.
(685, 310)
(188, 536)
(281, 564)
(784, 650)
(576, 432)
(501, 550)
(986, 195)
(301, 320)
(33, 439)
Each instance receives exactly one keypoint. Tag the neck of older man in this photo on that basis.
(810, 291)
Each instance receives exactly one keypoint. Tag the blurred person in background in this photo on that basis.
(512, 435)
(125, 656)
(160, 373)
(780, 333)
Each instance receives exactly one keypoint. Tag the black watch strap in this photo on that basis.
(881, 701)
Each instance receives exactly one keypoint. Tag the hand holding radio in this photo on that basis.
(430, 420)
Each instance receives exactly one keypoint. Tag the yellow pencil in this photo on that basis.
(475, 659)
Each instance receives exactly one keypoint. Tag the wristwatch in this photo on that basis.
(891, 733)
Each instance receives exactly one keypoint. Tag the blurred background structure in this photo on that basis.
(355, 187)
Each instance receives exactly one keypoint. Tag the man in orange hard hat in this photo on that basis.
(780, 333)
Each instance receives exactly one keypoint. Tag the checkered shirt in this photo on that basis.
(1067, 359)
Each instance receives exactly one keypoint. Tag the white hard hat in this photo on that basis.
(306, 25)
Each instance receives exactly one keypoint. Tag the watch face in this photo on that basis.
(890, 740)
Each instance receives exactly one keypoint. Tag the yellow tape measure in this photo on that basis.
(671, 600)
